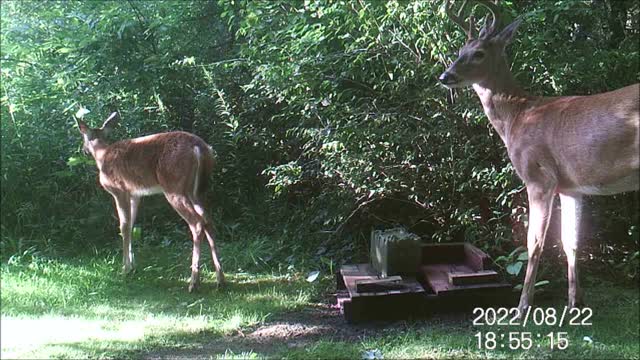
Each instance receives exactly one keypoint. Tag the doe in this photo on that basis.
(177, 164)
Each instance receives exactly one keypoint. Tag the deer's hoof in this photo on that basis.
(221, 281)
(522, 310)
(127, 270)
(193, 287)
(579, 304)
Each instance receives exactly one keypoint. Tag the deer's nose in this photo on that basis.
(448, 78)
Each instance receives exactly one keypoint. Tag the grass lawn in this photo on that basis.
(84, 308)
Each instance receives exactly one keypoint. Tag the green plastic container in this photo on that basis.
(395, 251)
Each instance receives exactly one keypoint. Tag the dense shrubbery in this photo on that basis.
(326, 116)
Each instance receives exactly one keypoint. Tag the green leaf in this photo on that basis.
(516, 250)
(524, 256)
(73, 161)
(541, 283)
(514, 268)
(80, 160)
(136, 233)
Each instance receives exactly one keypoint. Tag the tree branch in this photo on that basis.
(143, 22)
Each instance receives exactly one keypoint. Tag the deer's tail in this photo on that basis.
(205, 162)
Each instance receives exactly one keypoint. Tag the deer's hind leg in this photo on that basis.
(571, 214)
(209, 230)
(185, 208)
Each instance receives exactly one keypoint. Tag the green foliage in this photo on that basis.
(515, 261)
(326, 117)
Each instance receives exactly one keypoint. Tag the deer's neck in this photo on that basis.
(98, 152)
(503, 100)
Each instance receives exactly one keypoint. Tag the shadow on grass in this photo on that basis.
(94, 287)
(313, 331)
(151, 315)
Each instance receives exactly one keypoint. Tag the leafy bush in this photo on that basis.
(326, 116)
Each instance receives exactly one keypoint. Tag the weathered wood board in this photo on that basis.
(399, 301)
(363, 273)
(474, 278)
(449, 274)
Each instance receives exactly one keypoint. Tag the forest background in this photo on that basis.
(326, 117)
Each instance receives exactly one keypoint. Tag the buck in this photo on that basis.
(177, 164)
(567, 145)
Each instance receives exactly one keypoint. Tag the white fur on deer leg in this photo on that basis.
(127, 268)
(570, 208)
(131, 258)
(148, 191)
(199, 209)
(571, 213)
(196, 181)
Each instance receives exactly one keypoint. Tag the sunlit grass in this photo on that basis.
(84, 308)
(24, 337)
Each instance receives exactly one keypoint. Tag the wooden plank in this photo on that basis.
(350, 282)
(406, 286)
(437, 276)
(454, 253)
(388, 307)
(381, 280)
(480, 277)
(352, 274)
(475, 258)
(379, 285)
(350, 270)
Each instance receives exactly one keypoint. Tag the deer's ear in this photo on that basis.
(111, 122)
(82, 126)
(506, 35)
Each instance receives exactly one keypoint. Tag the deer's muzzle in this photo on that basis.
(447, 78)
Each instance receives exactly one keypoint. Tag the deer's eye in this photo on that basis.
(478, 55)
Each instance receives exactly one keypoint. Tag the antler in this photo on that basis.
(469, 28)
(457, 18)
(495, 14)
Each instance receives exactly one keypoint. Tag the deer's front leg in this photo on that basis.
(571, 214)
(135, 203)
(540, 201)
(123, 205)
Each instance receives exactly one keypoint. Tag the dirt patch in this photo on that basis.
(288, 330)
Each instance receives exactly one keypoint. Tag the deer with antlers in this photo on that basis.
(567, 145)
(176, 164)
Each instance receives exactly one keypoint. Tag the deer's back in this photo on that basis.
(590, 141)
(155, 163)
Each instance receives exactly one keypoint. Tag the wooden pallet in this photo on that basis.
(450, 278)
(457, 268)
(363, 294)
(354, 275)
(449, 275)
